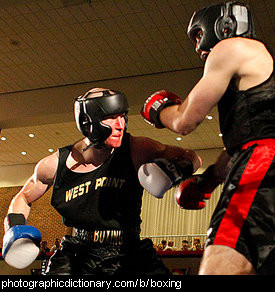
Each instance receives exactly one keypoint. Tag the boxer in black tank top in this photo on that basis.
(238, 77)
(97, 190)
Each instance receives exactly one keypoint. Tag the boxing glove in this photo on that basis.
(159, 176)
(21, 242)
(155, 104)
(191, 193)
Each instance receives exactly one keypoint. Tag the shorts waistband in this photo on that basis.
(270, 142)
(102, 237)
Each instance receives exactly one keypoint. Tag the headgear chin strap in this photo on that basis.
(218, 22)
(90, 111)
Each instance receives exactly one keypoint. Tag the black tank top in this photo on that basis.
(108, 197)
(247, 115)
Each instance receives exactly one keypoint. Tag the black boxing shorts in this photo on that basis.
(244, 218)
(95, 253)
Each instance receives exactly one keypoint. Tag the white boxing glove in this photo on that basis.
(159, 176)
(21, 242)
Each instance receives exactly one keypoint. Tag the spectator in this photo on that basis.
(170, 246)
(163, 244)
(197, 244)
(185, 245)
(56, 245)
(44, 248)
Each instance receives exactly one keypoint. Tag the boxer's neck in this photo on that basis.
(89, 159)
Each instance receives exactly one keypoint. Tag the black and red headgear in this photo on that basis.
(89, 112)
(221, 21)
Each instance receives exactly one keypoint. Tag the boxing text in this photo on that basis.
(77, 191)
(101, 182)
(112, 182)
(108, 236)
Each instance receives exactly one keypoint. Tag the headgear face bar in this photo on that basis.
(218, 22)
(89, 113)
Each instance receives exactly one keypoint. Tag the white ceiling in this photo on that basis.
(54, 50)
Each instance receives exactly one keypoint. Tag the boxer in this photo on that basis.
(97, 188)
(238, 77)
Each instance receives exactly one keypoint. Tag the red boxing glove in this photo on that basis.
(191, 193)
(155, 104)
(189, 196)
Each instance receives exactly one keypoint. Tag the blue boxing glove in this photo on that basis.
(21, 242)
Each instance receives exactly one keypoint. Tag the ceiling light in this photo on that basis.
(209, 117)
(31, 135)
(23, 153)
(178, 138)
(3, 138)
(220, 135)
(50, 150)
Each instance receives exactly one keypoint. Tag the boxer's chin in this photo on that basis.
(114, 141)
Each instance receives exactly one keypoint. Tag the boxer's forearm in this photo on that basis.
(222, 165)
(176, 119)
(20, 205)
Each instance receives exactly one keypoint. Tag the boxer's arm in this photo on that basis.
(21, 241)
(144, 150)
(218, 72)
(222, 165)
(160, 166)
(192, 193)
(36, 185)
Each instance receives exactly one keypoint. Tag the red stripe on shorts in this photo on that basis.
(241, 201)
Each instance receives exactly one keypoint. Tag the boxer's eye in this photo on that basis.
(199, 35)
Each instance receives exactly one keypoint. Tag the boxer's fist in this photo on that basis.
(20, 243)
(191, 193)
(160, 175)
(189, 196)
(155, 103)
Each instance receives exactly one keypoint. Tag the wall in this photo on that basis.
(15, 175)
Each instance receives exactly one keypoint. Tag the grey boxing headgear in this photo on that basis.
(89, 113)
(218, 22)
